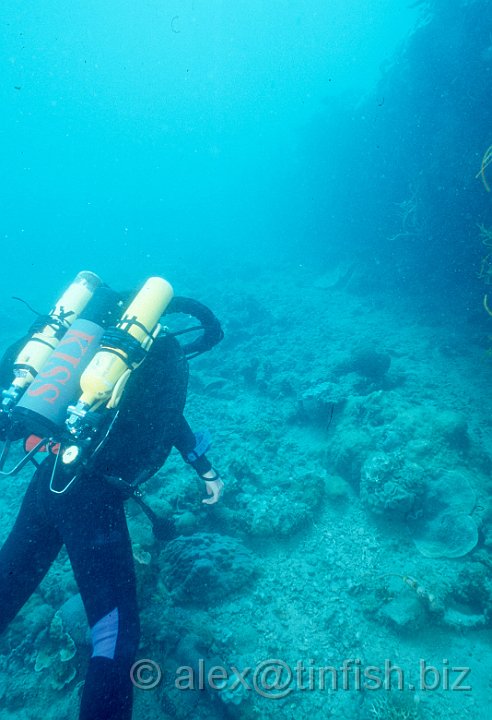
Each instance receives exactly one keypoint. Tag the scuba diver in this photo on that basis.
(101, 392)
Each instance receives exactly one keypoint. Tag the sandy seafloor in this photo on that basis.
(341, 419)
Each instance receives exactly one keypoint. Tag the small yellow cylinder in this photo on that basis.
(110, 363)
(34, 354)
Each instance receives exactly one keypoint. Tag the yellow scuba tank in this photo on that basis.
(34, 354)
(122, 349)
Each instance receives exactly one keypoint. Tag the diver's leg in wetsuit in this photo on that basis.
(27, 554)
(95, 533)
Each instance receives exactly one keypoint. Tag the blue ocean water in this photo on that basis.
(144, 134)
(318, 173)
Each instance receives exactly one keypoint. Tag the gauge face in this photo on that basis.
(70, 454)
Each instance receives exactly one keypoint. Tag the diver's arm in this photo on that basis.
(192, 449)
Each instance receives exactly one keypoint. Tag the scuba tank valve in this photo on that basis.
(122, 349)
(47, 334)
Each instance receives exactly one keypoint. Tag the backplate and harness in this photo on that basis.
(71, 373)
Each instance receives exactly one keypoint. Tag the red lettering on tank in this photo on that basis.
(61, 366)
(80, 339)
(81, 342)
(45, 390)
(68, 358)
(64, 373)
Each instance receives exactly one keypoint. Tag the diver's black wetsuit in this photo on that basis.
(89, 519)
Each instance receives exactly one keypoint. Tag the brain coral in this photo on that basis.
(206, 567)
